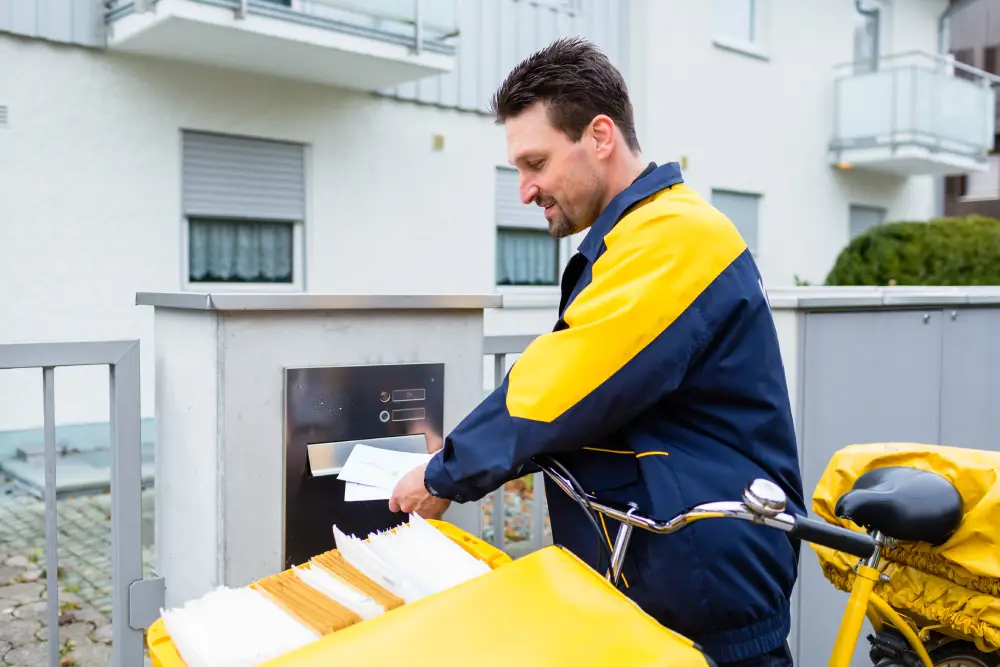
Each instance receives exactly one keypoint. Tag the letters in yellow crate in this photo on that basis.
(955, 585)
(549, 607)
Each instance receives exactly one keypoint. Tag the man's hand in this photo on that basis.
(410, 495)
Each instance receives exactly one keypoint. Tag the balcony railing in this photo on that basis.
(421, 25)
(917, 113)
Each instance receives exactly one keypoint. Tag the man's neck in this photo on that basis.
(624, 175)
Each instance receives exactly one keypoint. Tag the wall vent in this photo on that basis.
(4, 115)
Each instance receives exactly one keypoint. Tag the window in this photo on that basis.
(863, 218)
(737, 25)
(244, 208)
(743, 209)
(526, 255)
(984, 185)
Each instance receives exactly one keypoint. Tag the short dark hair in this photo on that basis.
(576, 82)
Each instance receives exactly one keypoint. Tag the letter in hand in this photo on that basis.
(410, 495)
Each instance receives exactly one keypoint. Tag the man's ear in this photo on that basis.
(602, 131)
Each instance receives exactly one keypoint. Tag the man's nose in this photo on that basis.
(528, 192)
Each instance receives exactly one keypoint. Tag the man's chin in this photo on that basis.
(560, 229)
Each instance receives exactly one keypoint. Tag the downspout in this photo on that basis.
(876, 37)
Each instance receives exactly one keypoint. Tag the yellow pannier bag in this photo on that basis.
(955, 585)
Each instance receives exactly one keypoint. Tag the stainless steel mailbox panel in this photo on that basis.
(328, 411)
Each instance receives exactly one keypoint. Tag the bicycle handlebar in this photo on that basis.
(834, 537)
(763, 504)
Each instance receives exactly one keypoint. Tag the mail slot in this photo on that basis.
(329, 411)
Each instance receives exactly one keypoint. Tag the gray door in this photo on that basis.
(869, 377)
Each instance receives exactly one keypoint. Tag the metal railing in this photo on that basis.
(915, 98)
(423, 26)
(135, 601)
(499, 347)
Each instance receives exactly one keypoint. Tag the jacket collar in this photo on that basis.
(653, 179)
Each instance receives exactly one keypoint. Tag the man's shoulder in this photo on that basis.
(676, 221)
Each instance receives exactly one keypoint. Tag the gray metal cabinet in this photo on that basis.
(971, 379)
(867, 376)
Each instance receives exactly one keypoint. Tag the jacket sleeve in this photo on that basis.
(657, 294)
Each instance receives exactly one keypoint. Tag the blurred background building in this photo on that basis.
(335, 146)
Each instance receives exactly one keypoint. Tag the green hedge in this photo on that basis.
(944, 251)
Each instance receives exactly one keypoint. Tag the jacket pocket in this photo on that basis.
(605, 473)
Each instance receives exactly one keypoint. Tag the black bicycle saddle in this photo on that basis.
(905, 503)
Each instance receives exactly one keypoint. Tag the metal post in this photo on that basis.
(621, 546)
(241, 13)
(126, 510)
(538, 512)
(51, 539)
(499, 535)
(418, 27)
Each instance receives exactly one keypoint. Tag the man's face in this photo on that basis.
(563, 177)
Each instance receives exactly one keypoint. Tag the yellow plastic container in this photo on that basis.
(164, 653)
(547, 608)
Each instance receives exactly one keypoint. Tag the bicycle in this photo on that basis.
(898, 512)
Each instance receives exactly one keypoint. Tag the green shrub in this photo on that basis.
(944, 251)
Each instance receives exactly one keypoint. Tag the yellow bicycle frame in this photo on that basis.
(863, 603)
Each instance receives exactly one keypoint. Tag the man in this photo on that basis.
(662, 381)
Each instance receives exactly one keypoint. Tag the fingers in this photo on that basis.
(393, 505)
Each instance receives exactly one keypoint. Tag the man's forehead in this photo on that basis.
(529, 135)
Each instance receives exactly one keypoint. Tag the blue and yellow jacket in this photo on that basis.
(661, 384)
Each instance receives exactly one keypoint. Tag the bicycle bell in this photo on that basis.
(764, 497)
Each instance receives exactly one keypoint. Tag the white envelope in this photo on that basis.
(378, 469)
(360, 492)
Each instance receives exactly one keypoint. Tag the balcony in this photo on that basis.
(361, 44)
(914, 114)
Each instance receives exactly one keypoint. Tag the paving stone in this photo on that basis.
(30, 576)
(103, 634)
(19, 632)
(90, 654)
(29, 655)
(85, 577)
(22, 592)
(86, 614)
(32, 611)
(78, 632)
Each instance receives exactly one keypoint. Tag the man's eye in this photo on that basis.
(537, 164)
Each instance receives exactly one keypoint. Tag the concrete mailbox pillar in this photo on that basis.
(259, 400)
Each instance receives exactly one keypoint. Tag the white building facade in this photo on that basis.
(333, 146)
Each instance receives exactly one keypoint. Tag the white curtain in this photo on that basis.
(527, 257)
(240, 251)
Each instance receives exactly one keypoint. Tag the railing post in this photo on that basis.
(241, 12)
(538, 511)
(126, 504)
(499, 535)
(51, 536)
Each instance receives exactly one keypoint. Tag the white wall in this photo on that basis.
(91, 203)
(762, 123)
